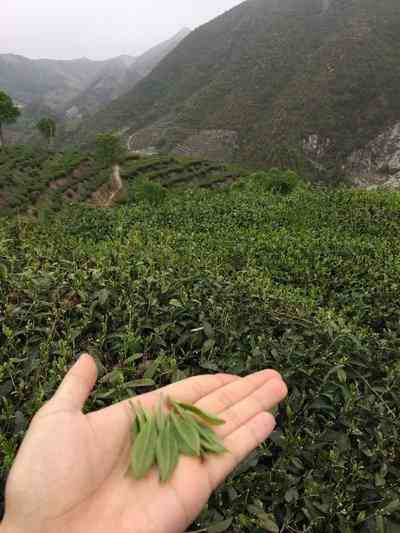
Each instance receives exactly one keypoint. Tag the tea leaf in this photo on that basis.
(174, 451)
(212, 447)
(211, 419)
(187, 430)
(183, 448)
(141, 415)
(135, 429)
(167, 452)
(220, 527)
(210, 441)
(143, 449)
(205, 431)
(160, 416)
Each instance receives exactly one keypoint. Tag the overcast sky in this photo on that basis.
(98, 29)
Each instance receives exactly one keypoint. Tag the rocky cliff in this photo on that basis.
(378, 162)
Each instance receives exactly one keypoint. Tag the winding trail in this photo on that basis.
(116, 184)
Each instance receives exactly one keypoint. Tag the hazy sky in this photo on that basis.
(65, 29)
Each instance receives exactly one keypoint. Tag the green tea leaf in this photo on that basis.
(135, 429)
(183, 448)
(141, 414)
(163, 452)
(209, 440)
(137, 383)
(212, 447)
(160, 416)
(187, 430)
(220, 527)
(174, 451)
(212, 420)
(167, 452)
(144, 449)
(206, 432)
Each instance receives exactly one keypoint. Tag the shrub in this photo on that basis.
(147, 191)
(276, 180)
(133, 157)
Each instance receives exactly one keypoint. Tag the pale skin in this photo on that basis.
(69, 474)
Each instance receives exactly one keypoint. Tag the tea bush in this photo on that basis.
(144, 190)
(276, 180)
(233, 281)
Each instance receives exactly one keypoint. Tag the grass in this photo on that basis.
(235, 281)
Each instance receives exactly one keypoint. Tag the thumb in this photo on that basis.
(77, 384)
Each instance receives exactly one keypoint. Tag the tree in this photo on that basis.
(47, 128)
(109, 149)
(8, 113)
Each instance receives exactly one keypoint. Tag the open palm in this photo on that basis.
(69, 475)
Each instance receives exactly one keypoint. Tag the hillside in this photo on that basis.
(33, 178)
(112, 81)
(226, 281)
(46, 80)
(120, 76)
(287, 79)
(72, 89)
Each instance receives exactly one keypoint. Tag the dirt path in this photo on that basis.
(129, 142)
(116, 184)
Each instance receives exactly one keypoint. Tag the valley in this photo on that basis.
(225, 203)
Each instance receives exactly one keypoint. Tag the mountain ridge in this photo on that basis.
(277, 73)
(75, 88)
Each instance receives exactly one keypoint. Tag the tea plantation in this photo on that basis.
(231, 280)
(33, 177)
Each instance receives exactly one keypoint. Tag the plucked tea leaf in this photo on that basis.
(211, 419)
(167, 452)
(187, 430)
(160, 416)
(143, 449)
(212, 447)
(210, 441)
(135, 429)
(183, 448)
(141, 414)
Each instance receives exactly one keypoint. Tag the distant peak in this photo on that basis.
(183, 32)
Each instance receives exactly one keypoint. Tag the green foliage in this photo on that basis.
(174, 172)
(34, 177)
(8, 111)
(235, 282)
(275, 180)
(47, 127)
(109, 149)
(147, 191)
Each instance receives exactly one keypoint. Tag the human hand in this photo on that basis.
(68, 476)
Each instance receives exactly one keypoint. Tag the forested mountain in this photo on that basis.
(51, 81)
(121, 75)
(73, 89)
(274, 79)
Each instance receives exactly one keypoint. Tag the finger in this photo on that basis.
(239, 444)
(77, 384)
(188, 390)
(232, 393)
(260, 400)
